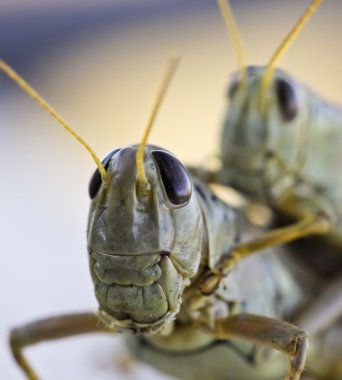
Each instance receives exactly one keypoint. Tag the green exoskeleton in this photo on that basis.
(148, 254)
(287, 157)
(167, 264)
(281, 146)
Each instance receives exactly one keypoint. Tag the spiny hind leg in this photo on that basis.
(50, 329)
(268, 332)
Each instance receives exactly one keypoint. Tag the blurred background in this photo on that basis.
(99, 64)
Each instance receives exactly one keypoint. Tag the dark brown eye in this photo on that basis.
(95, 181)
(236, 80)
(287, 100)
(175, 178)
(232, 88)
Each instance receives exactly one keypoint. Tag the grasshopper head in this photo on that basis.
(262, 141)
(143, 247)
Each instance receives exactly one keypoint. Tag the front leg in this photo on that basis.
(270, 332)
(318, 224)
(50, 329)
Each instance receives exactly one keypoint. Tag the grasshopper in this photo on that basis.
(279, 144)
(167, 264)
(279, 151)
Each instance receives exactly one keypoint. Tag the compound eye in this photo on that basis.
(96, 180)
(175, 178)
(287, 100)
(236, 80)
(233, 86)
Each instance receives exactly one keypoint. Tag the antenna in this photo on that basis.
(233, 32)
(170, 70)
(33, 94)
(285, 44)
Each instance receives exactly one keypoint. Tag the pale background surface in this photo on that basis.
(100, 67)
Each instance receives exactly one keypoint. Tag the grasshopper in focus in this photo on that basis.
(166, 264)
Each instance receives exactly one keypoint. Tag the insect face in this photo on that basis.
(143, 248)
(262, 144)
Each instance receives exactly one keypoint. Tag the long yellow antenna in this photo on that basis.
(31, 92)
(285, 44)
(234, 34)
(170, 70)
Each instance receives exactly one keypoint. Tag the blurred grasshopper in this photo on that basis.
(166, 264)
(281, 144)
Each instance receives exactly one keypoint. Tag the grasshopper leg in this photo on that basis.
(319, 224)
(50, 329)
(270, 332)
